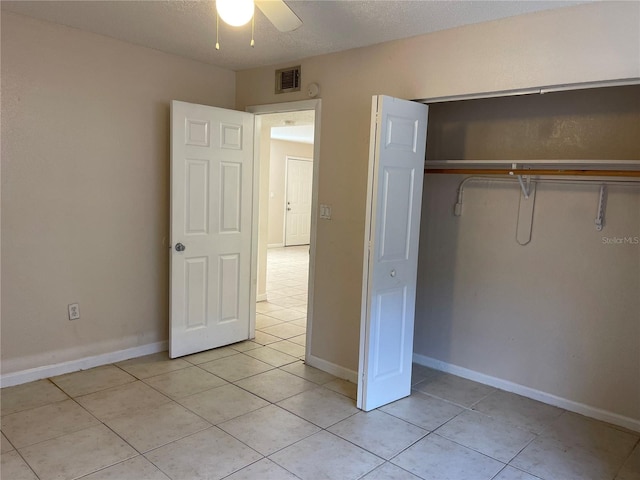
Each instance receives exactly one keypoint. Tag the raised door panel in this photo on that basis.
(388, 331)
(229, 288)
(197, 132)
(230, 199)
(197, 197)
(196, 292)
(396, 209)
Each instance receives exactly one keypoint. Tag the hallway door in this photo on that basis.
(299, 184)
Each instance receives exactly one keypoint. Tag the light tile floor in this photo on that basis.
(253, 410)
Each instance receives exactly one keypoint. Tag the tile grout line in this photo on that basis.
(22, 457)
(635, 445)
(139, 453)
(470, 409)
(136, 378)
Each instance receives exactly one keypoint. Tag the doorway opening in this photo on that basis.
(286, 226)
(281, 319)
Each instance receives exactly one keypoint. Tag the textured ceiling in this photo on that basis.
(187, 28)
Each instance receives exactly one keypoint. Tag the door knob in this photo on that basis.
(180, 247)
(392, 273)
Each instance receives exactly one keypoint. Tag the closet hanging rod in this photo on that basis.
(522, 171)
(579, 163)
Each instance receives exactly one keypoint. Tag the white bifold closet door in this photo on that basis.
(394, 200)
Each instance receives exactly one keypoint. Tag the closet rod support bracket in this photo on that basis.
(525, 189)
(602, 203)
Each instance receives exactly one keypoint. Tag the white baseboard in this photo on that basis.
(528, 392)
(275, 245)
(38, 373)
(332, 368)
(261, 298)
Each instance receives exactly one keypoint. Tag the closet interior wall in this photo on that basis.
(556, 319)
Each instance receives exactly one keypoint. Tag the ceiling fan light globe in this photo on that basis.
(235, 12)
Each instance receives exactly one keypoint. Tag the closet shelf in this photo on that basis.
(519, 171)
(581, 168)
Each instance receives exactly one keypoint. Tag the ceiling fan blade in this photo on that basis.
(279, 14)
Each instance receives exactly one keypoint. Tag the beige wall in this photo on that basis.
(585, 43)
(85, 190)
(559, 315)
(280, 149)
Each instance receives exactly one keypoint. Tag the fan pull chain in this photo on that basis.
(253, 26)
(217, 31)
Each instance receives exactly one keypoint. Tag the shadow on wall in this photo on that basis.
(558, 315)
(595, 123)
(436, 282)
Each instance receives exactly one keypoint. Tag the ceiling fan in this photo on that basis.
(239, 12)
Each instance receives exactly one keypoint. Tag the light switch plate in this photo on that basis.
(325, 212)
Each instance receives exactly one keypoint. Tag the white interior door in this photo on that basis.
(394, 200)
(211, 227)
(299, 184)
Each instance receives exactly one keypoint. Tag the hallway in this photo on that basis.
(281, 320)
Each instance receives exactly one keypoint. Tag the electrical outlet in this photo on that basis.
(74, 311)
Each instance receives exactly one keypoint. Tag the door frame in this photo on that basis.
(258, 110)
(286, 191)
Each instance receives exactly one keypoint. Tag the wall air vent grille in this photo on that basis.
(288, 80)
